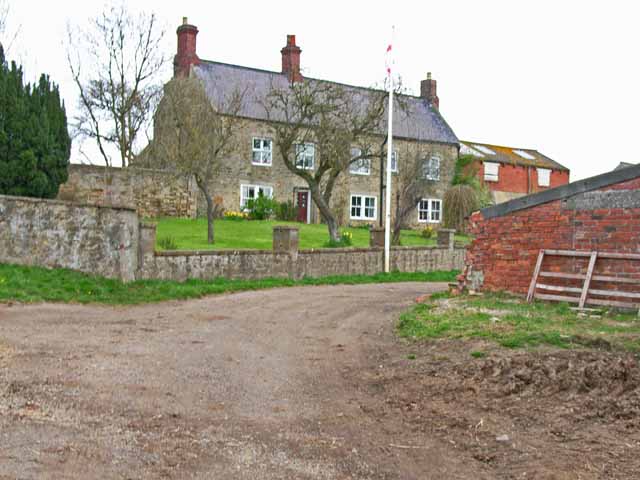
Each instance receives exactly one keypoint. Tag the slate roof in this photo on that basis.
(509, 155)
(423, 123)
(624, 165)
(562, 192)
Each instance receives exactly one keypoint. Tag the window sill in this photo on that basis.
(261, 164)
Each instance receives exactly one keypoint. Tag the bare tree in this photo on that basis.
(7, 36)
(4, 13)
(192, 135)
(334, 118)
(116, 62)
(412, 184)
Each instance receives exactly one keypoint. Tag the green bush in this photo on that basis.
(167, 243)
(286, 211)
(260, 208)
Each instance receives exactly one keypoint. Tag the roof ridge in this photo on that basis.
(500, 146)
(261, 70)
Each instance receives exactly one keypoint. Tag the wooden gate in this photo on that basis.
(585, 293)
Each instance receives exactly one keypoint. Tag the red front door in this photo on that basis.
(302, 202)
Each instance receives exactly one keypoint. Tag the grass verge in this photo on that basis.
(512, 323)
(35, 284)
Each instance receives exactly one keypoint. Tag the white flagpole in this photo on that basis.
(387, 190)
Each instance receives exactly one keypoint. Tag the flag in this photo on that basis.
(389, 59)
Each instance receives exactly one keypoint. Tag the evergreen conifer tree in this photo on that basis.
(34, 141)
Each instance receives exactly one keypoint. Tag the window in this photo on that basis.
(363, 207)
(250, 192)
(394, 161)
(491, 171)
(544, 177)
(359, 167)
(305, 156)
(431, 168)
(430, 210)
(262, 148)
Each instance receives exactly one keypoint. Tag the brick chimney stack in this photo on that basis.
(291, 60)
(186, 55)
(429, 91)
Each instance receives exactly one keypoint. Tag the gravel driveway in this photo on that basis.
(242, 386)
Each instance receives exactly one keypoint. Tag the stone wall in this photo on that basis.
(88, 238)
(153, 193)
(111, 242)
(506, 245)
(257, 264)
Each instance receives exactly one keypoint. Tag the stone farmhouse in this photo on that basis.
(257, 167)
(510, 172)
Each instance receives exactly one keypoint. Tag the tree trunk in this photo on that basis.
(325, 212)
(209, 218)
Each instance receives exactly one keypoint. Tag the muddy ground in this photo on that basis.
(300, 383)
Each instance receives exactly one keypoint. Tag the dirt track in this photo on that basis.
(297, 383)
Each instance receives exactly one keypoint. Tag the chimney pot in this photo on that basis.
(186, 55)
(291, 60)
(429, 91)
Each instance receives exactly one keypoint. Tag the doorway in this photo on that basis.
(303, 204)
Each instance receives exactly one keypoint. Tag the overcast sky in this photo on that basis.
(562, 77)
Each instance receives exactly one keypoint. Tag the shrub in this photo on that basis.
(427, 232)
(260, 208)
(167, 243)
(233, 215)
(459, 202)
(286, 211)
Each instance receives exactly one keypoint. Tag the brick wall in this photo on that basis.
(515, 179)
(153, 193)
(504, 251)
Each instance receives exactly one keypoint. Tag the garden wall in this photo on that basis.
(111, 242)
(597, 214)
(256, 264)
(153, 193)
(50, 233)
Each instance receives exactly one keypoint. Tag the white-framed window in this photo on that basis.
(544, 177)
(305, 156)
(491, 171)
(363, 207)
(394, 161)
(262, 151)
(430, 210)
(251, 192)
(359, 167)
(431, 168)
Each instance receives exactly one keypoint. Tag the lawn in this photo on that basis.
(510, 322)
(191, 234)
(35, 284)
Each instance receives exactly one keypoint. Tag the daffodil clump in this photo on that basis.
(233, 215)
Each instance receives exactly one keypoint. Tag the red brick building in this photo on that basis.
(511, 172)
(600, 213)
